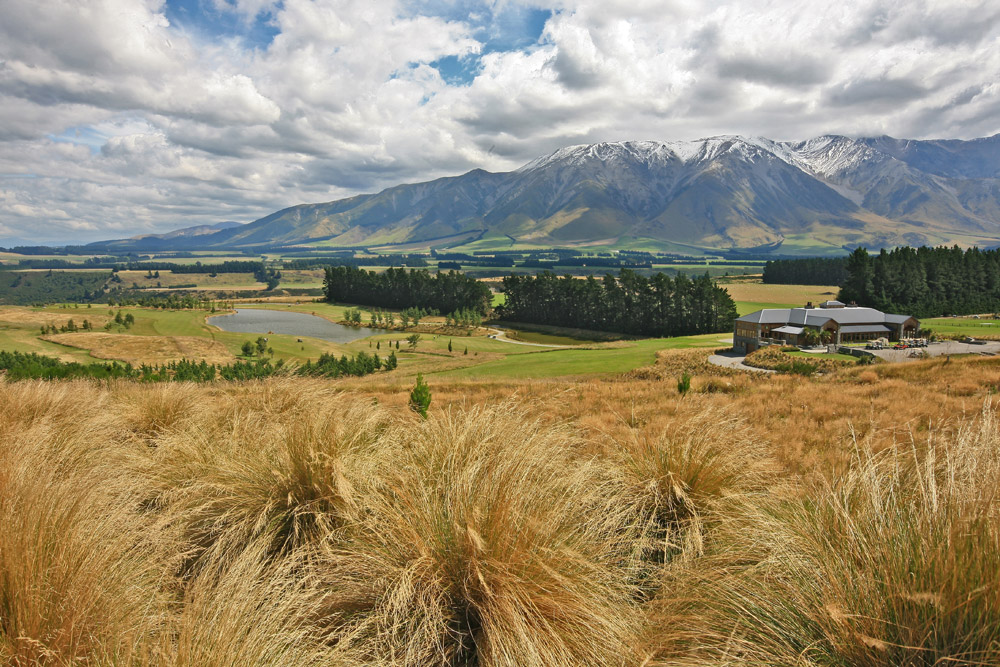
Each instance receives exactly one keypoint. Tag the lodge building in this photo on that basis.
(845, 324)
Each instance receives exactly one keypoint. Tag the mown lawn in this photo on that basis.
(613, 358)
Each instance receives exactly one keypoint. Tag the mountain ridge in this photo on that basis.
(725, 192)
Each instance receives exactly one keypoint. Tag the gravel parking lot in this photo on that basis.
(939, 349)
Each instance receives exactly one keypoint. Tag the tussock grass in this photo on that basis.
(286, 483)
(293, 522)
(79, 573)
(896, 563)
(677, 479)
(249, 611)
(489, 544)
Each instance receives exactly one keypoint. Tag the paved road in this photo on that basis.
(734, 360)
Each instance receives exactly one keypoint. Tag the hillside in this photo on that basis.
(808, 197)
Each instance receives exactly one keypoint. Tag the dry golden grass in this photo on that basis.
(38, 318)
(847, 519)
(144, 349)
(757, 292)
(897, 562)
(774, 357)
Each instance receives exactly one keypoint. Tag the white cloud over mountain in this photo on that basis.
(120, 117)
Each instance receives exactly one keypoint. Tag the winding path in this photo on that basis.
(501, 335)
(734, 360)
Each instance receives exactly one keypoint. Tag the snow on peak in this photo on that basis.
(821, 156)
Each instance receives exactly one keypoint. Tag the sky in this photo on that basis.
(126, 117)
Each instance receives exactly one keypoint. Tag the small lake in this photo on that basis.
(259, 321)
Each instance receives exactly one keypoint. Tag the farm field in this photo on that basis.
(751, 296)
(204, 281)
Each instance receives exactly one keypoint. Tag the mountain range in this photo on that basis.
(728, 192)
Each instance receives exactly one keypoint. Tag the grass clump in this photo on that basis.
(898, 562)
(286, 484)
(488, 544)
(677, 480)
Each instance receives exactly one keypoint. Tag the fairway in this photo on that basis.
(608, 359)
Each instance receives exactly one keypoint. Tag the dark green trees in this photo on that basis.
(806, 271)
(859, 285)
(399, 288)
(628, 303)
(925, 282)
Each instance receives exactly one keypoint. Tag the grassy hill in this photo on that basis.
(752, 520)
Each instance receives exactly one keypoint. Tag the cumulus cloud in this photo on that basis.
(118, 118)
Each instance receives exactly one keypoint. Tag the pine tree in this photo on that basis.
(420, 397)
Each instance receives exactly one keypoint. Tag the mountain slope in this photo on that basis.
(721, 192)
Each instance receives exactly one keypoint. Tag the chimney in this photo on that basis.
(809, 304)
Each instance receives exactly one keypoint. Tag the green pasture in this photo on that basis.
(962, 326)
(21, 339)
(607, 358)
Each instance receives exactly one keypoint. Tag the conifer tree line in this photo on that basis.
(399, 288)
(33, 366)
(628, 303)
(806, 271)
(925, 282)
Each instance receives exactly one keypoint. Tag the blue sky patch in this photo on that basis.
(202, 18)
(507, 29)
(82, 136)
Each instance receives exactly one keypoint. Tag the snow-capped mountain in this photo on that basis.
(721, 192)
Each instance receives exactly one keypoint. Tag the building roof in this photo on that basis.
(817, 317)
(766, 316)
(865, 328)
(788, 330)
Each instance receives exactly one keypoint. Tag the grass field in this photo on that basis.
(145, 349)
(751, 296)
(241, 281)
(963, 326)
(558, 507)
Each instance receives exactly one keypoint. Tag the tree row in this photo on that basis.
(925, 282)
(399, 288)
(628, 303)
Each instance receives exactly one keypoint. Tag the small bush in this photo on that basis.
(420, 397)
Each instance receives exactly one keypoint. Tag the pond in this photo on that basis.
(259, 321)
